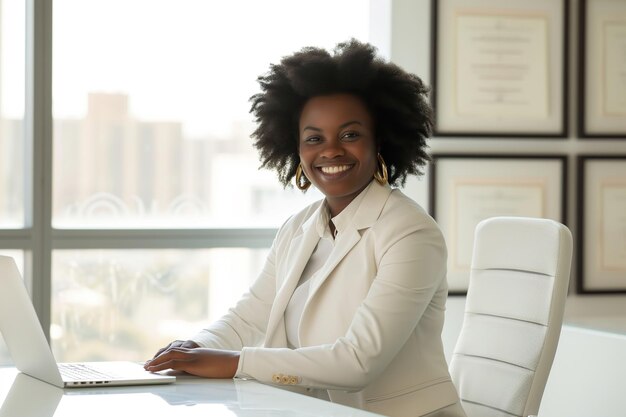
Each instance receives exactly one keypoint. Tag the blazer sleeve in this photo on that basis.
(410, 270)
(245, 324)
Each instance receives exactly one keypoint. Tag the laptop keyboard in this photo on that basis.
(81, 372)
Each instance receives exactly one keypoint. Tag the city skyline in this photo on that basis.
(110, 166)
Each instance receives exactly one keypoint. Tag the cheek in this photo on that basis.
(372, 161)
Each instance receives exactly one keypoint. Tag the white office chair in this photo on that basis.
(513, 315)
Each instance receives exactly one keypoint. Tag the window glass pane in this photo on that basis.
(151, 124)
(18, 255)
(125, 304)
(12, 92)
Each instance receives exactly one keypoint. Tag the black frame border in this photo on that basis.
(432, 177)
(580, 222)
(562, 134)
(582, 79)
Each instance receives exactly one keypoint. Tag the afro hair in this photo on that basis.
(396, 99)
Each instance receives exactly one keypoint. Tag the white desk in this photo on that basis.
(586, 379)
(23, 396)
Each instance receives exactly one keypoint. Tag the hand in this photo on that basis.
(177, 343)
(210, 363)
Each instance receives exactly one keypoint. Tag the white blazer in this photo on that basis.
(371, 327)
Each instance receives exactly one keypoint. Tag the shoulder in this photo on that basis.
(402, 210)
(402, 216)
(295, 223)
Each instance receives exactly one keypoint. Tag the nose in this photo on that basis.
(332, 149)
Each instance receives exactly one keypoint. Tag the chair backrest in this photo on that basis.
(513, 315)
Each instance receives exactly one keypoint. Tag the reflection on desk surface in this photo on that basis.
(608, 324)
(189, 396)
(29, 397)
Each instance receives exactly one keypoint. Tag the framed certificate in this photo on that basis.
(466, 189)
(602, 74)
(601, 223)
(499, 68)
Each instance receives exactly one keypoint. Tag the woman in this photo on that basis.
(351, 300)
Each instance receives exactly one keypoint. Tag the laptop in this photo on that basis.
(31, 353)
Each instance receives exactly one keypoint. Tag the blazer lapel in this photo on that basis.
(300, 250)
(368, 212)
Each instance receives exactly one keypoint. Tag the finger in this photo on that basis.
(174, 344)
(169, 357)
(175, 364)
(162, 357)
(190, 344)
(163, 349)
(170, 354)
(160, 351)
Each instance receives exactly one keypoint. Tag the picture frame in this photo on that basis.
(602, 64)
(499, 69)
(601, 224)
(466, 189)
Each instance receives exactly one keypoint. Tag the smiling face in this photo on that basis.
(337, 147)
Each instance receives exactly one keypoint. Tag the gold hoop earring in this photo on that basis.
(299, 183)
(381, 171)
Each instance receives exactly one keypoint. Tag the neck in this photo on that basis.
(337, 204)
(335, 207)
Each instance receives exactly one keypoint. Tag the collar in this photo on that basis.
(356, 214)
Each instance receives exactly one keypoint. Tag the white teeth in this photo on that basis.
(335, 169)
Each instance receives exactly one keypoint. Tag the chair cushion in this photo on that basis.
(494, 384)
(509, 341)
(509, 293)
(522, 245)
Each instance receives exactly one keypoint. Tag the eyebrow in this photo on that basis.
(317, 129)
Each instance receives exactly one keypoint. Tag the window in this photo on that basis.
(138, 210)
(12, 145)
(151, 126)
(123, 304)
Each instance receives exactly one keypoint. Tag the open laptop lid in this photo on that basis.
(30, 351)
(21, 329)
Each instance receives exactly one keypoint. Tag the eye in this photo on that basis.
(349, 136)
(312, 139)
